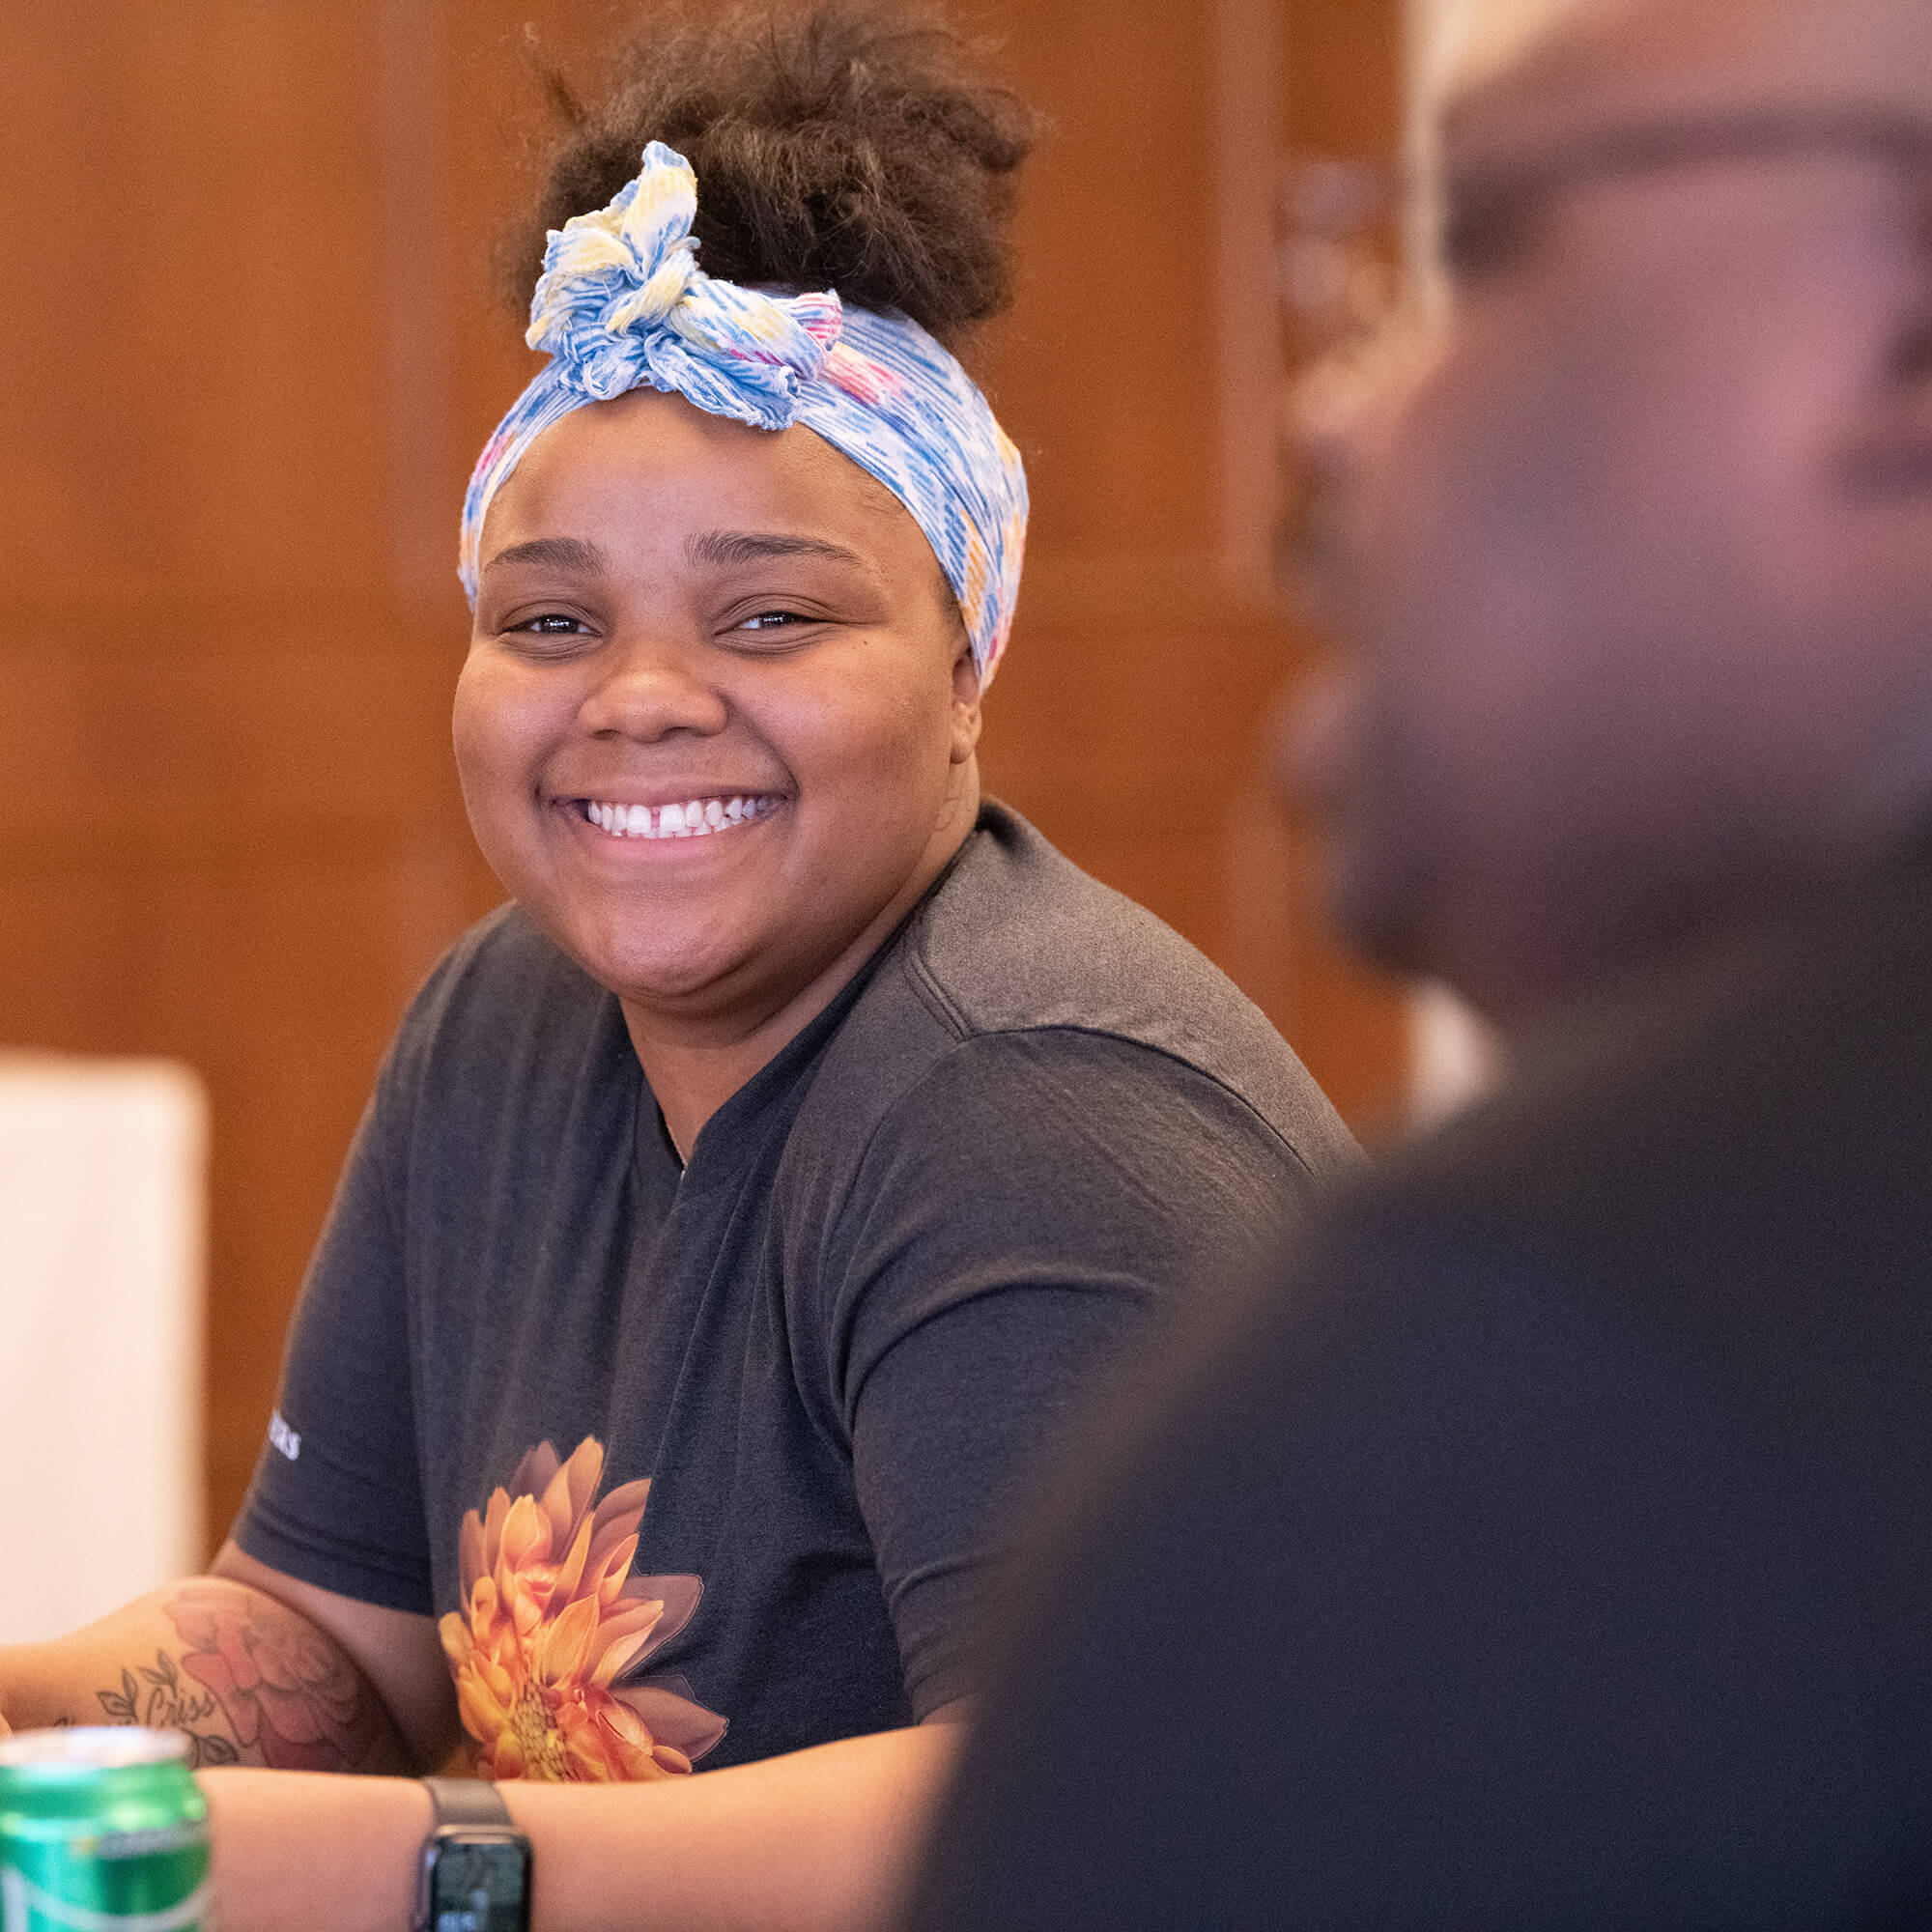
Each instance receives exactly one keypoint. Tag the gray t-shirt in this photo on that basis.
(834, 1344)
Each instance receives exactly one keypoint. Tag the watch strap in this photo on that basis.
(468, 1801)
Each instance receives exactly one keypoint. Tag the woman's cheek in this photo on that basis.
(495, 764)
(468, 722)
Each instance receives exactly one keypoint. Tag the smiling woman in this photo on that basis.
(743, 1209)
(676, 612)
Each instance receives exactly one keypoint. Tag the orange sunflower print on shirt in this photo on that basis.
(549, 1625)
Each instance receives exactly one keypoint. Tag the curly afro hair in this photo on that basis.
(848, 145)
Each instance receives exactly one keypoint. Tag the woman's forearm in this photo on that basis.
(304, 1852)
(817, 1839)
(822, 1837)
(248, 1680)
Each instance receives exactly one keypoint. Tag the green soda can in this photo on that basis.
(102, 1829)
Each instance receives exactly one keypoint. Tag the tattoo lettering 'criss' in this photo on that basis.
(289, 1698)
(164, 1702)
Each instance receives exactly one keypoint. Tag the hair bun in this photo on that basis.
(847, 145)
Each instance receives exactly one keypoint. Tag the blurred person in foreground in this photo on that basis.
(1551, 1542)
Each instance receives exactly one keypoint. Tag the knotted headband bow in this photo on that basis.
(622, 304)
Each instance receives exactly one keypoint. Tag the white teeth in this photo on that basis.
(696, 819)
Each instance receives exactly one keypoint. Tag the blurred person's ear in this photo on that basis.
(1890, 452)
(1881, 527)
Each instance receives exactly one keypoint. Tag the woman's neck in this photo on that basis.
(694, 1066)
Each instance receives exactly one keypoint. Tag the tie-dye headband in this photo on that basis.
(622, 303)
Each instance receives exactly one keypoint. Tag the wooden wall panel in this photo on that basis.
(1108, 358)
(1341, 89)
(192, 338)
(250, 350)
(228, 823)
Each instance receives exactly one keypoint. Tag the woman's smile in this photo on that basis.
(688, 819)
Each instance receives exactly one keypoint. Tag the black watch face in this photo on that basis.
(480, 1884)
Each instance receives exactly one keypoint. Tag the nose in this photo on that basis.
(649, 687)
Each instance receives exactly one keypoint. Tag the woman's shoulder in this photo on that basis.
(1017, 939)
(1041, 1077)
(1018, 936)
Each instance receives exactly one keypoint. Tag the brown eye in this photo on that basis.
(544, 634)
(1487, 230)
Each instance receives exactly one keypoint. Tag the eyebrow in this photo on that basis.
(724, 548)
(1687, 140)
(560, 552)
(734, 547)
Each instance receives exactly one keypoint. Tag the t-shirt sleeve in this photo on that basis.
(1018, 1222)
(336, 1498)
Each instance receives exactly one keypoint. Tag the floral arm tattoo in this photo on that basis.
(254, 1683)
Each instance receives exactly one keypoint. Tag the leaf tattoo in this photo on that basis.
(123, 1706)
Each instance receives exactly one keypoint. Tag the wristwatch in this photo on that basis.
(475, 1863)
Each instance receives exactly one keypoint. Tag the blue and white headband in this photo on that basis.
(623, 305)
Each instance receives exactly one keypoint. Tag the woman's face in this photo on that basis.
(716, 723)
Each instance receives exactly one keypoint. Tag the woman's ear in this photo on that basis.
(965, 705)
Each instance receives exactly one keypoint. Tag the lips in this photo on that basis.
(692, 818)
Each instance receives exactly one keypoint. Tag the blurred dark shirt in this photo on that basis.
(1550, 1543)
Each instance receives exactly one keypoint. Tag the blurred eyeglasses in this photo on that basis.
(1338, 250)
